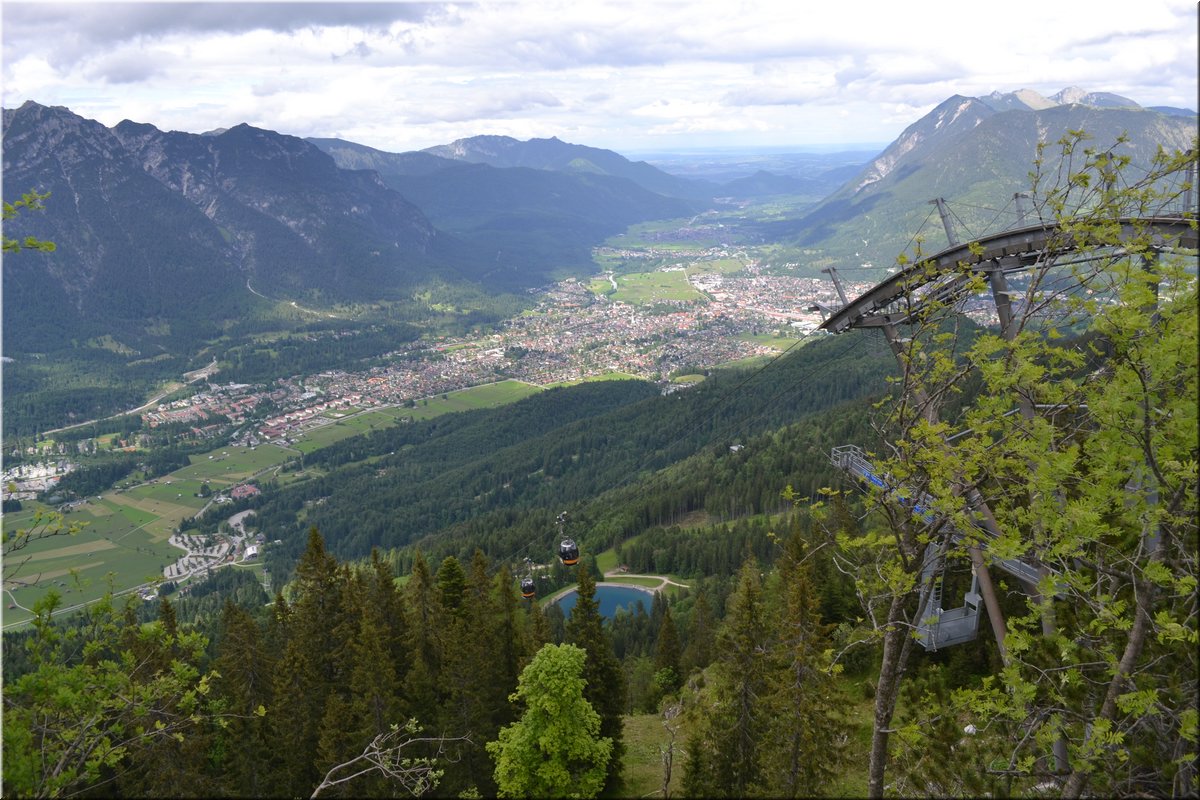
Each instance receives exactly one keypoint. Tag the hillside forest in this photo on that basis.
(395, 655)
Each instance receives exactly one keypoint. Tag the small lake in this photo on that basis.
(610, 599)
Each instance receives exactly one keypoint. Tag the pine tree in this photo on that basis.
(725, 757)
(245, 667)
(802, 752)
(605, 681)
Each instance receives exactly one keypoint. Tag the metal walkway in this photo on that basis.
(937, 627)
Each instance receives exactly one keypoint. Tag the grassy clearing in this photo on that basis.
(325, 435)
(766, 339)
(724, 266)
(488, 396)
(645, 740)
(648, 288)
(607, 376)
(492, 395)
(230, 465)
(636, 581)
(607, 560)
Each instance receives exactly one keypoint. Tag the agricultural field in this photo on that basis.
(607, 376)
(711, 266)
(120, 539)
(491, 395)
(325, 435)
(488, 396)
(648, 288)
(226, 466)
(777, 342)
(109, 541)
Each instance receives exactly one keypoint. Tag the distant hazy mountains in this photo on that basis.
(542, 204)
(975, 152)
(162, 235)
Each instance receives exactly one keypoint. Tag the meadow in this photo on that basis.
(119, 540)
(647, 288)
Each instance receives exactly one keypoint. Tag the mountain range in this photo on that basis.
(170, 243)
(975, 152)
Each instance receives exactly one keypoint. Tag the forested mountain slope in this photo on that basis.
(975, 153)
(563, 448)
(533, 222)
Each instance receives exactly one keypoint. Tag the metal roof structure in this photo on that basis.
(946, 274)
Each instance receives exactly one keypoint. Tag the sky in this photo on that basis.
(650, 76)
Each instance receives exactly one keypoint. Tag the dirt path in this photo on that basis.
(663, 582)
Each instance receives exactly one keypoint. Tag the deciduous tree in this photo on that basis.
(555, 749)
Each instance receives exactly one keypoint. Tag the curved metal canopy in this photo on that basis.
(945, 274)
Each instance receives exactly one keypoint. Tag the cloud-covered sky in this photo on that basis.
(635, 77)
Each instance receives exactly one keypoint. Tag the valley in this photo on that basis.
(701, 309)
(387, 387)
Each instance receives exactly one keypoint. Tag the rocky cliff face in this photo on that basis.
(127, 246)
(152, 224)
(974, 151)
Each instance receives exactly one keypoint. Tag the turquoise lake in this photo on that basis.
(610, 599)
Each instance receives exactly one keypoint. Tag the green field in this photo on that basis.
(124, 533)
(111, 539)
(491, 395)
(776, 342)
(487, 396)
(648, 288)
(724, 266)
(607, 376)
(230, 465)
(316, 438)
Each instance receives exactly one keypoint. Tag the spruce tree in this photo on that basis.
(245, 667)
(605, 680)
(702, 635)
(305, 676)
(452, 583)
(803, 750)
(476, 691)
(425, 618)
(725, 749)
(667, 655)
(383, 595)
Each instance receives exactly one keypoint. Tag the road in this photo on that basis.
(293, 304)
(200, 374)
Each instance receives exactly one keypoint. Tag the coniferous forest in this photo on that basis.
(1041, 473)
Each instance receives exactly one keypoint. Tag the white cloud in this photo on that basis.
(627, 74)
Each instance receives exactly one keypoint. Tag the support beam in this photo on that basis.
(944, 213)
(1022, 212)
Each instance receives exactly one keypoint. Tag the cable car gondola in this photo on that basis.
(527, 588)
(568, 551)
